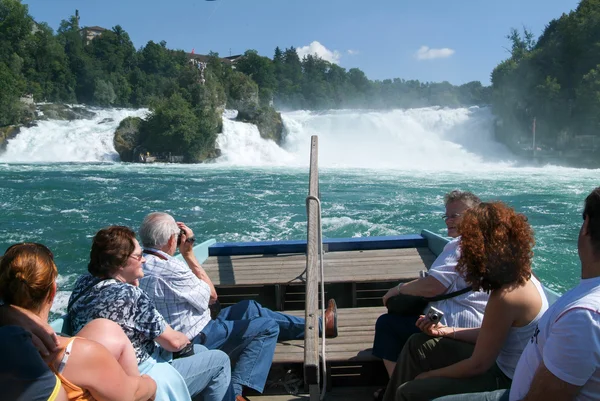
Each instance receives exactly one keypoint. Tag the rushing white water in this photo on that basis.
(241, 144)
(87, 140)
(432, 139)
(417, 139)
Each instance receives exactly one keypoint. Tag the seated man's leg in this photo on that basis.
(290, 327)
(24, 376)
(422, 353)
(498, 395)
(391, 333)
(250, 344)
(207, 373)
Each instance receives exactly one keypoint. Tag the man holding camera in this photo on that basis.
(464, 310)
(182, 293)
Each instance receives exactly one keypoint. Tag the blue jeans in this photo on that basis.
(498, 395)
(207, 374)
(248, 333)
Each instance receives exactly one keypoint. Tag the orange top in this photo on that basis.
(74, 393)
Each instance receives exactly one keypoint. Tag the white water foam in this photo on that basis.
(424, 139)
(241, 144)
(416, 139)
(87, 140)
(430, 138)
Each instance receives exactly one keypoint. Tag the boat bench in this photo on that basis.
(354, 278)
(347, 266)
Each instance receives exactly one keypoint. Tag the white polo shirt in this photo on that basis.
(465, 310)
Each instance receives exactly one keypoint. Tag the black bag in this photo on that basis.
(215, 309)
(414, 305)
(188, 350)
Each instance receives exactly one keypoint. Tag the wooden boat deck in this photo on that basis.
(348, 266)
(356, 279)
(356, 329)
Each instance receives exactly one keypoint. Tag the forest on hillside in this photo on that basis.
(108, 71)
(554, 79)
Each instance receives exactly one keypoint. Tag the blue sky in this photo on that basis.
(433, 40)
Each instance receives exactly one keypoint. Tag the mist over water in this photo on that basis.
(414, 139)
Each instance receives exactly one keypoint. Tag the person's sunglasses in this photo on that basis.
(452, 216)
(137, 256)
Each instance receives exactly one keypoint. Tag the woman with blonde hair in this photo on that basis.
(86, 369)
(496, 245)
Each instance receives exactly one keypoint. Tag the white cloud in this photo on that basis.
(353, 52)
(426, 53)
(316, 48)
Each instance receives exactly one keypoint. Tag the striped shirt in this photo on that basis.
(465, 310)
(180, 296)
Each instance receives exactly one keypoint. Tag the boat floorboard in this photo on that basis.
(340, 267)
(356, 330)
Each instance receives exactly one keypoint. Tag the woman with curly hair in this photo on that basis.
(496, 245)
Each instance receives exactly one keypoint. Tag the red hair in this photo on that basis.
(496, 246)
(27, 272)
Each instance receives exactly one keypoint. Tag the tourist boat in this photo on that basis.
(289, 276)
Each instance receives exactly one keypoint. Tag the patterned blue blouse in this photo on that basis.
(125, 304)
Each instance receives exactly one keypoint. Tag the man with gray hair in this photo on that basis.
(466, 310)
(182, 293)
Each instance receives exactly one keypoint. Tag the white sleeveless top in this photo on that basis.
(518, 337)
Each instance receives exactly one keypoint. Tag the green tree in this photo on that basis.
(10, 110)
(104, 93)
(47, 68)
(15, 28)
(171, 126)
(261, 70)
(553, 80)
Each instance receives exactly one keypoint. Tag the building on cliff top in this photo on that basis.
(91, 32)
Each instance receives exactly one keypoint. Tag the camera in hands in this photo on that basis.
(434, 315)
(189, 240)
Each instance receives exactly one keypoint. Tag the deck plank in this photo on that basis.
(351, 266)
(353, 343)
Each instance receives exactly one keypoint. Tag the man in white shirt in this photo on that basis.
(466, 310)
(182, 292)
(562, 361)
